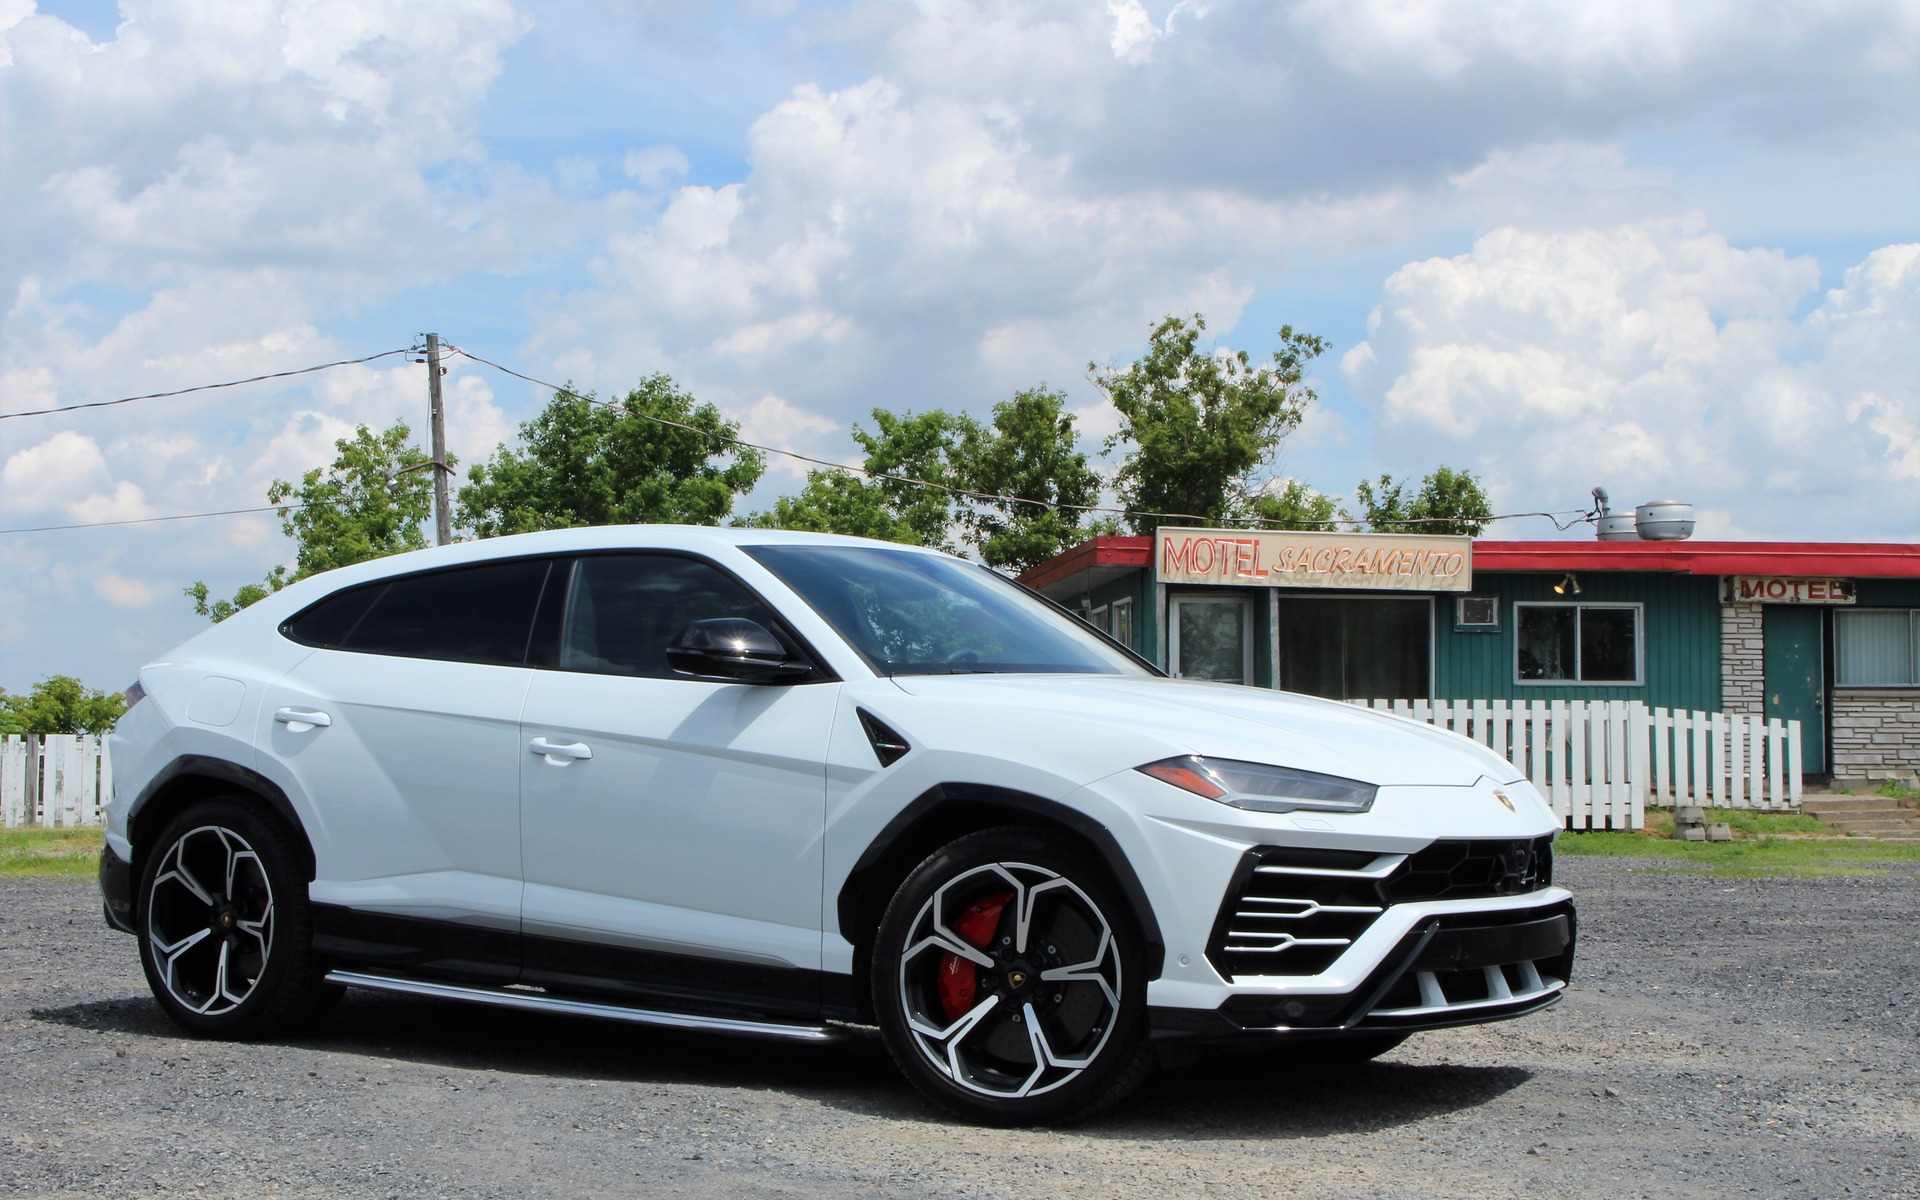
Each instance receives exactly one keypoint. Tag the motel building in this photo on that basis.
(1824, 633)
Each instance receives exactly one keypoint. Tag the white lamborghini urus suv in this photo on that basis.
(783, 785)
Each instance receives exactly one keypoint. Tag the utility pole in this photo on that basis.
(442, 520)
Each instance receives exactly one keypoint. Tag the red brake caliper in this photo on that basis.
(960, 979)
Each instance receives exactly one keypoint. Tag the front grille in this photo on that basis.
(1462, 870)
(1294, 911)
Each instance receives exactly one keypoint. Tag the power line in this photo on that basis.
(228, 512)
(205, 387)
(962, 493)
(958, 493)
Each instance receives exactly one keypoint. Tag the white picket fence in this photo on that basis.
(1601, 762)
(57, 780)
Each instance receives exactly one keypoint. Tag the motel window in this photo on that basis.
(1210, 639)
(1876, 648)
(1098, 618)
(1122, 629)
(1577, 643)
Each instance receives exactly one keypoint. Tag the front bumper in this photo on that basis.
(1450, 969)
(116, 889)
(1335, 940)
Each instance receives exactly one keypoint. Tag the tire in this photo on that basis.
(225, 929)
(999, 1032)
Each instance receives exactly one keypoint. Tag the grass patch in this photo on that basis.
(1910, 797)
(50, 853)
(1746, 823)
(1762, 855)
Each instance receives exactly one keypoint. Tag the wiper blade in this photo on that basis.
(947, 669)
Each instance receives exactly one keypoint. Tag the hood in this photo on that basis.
(1164, 717)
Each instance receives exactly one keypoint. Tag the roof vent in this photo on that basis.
(1617, 527)
(1609, 526)
(1664, 521)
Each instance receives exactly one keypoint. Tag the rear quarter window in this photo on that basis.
(480, 614)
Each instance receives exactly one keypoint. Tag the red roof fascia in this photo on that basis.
(1097, 552)
(1866, 560)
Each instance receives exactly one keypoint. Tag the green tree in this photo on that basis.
(837, 502)
(1446, 501)
(1029, 453)
(1202, 424)
(587, 463)
(249, 593)
(1295, 506)
(371, 502)
(60, 704)
(925, 447)
(906, 447)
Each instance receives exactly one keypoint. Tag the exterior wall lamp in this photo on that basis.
(1568, 586)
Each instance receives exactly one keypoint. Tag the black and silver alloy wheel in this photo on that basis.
(1010, 990)
(210, 920)
(224, 926)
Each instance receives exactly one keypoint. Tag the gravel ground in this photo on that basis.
(1724, 1037)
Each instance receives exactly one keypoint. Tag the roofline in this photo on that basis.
(1866, 560)
(1104, 551)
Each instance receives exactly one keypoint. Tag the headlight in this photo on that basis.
(1257, 787)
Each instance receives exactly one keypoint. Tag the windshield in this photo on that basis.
(922, 614)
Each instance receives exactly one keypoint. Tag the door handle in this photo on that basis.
(299, 720)
(560, 753)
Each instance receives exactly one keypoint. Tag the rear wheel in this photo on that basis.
(1008, 982)
(226, 935)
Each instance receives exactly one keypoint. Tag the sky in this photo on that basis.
(1666, 247)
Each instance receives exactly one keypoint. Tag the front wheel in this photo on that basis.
(1009, 984)
(224, 926)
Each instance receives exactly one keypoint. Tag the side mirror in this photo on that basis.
(733, 650)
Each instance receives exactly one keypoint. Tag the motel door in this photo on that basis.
(1357, 648)
(1796, 677)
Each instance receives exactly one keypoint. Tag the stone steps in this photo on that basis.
(1865, 816)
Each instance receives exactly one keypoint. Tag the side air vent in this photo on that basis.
(888, 746)
(1293, 911)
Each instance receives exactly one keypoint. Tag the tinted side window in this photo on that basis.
(329, 622)
(624, 608)
(473, 614)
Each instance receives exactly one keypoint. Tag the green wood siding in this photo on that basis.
(1888, 593)
(1680, 640)
(1137, 587)
(1680, 635)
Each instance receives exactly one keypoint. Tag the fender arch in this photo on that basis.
(194, 777)
(951, 810)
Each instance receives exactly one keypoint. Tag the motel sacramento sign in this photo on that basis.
(1297, 559)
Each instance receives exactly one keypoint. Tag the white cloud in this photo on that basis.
(122, 592)
(773, 421)
(806, 214)
(57, 472)
(902, 249)
(1134, 32)
(656, 166)
(475, 424)
(126, 502)
(1657, 358)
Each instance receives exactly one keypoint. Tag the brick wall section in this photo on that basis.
(1876, 735)
(1743, 671)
